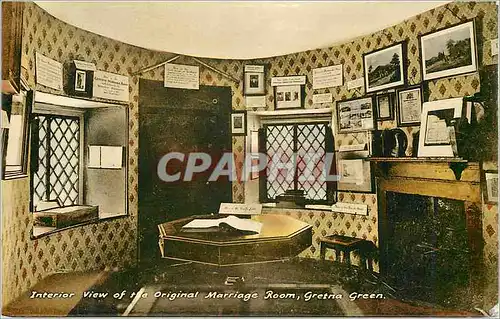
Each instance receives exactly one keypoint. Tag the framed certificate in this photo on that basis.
(409, 106)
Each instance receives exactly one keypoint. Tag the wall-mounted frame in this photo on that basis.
(449, 51)
(355, 115)
(435, 138)
(385, 68)
(409, 107)
(239, 123)
(254, 80)
(16, 136)
(289, 97)
(491, 187)
(355, 172)
(385, 106)
(81, 78)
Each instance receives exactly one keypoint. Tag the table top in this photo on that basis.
(274, 226)
(342, 240)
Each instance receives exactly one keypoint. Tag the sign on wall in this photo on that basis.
(322, 98)
(330, 76)
(48, 72)
(288, 80)
(110, 86)
(182, 76)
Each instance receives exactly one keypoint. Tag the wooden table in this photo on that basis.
(281, 237)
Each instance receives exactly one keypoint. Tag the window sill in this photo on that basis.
(40, 231)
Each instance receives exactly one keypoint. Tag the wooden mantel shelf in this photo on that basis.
(419, 159)
(457, 165)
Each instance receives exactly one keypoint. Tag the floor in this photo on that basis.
(299, 287)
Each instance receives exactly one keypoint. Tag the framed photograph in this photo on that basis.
(355, 115)
(354, 171)
(254, 83)
(409, 106)
(288, 97)
(385, 68)
(491, 187)
(437, 138)
(449, 52)
(80, 77)
(385, 106)
(239, 123)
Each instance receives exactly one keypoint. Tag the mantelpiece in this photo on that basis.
(427, 165)
(433, 178)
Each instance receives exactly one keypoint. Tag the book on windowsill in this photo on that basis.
(226, 224)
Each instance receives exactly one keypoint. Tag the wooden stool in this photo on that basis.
(346, 245)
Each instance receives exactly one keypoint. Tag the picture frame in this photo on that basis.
(289, 97)
(355, 172)
(438, 62)
(385, 106)
(239, 123)
(490, 187)
(409, 105)
(254, 80)
(385, 68)
(16, 133)
(355, 115)
(80, 78)
(435, 138)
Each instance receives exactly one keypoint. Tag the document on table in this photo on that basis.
(232, 221)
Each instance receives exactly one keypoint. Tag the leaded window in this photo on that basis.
(57, 176)
(303, 147)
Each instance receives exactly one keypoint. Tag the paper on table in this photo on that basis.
(233, 221)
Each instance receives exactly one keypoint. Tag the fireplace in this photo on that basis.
(429, 227)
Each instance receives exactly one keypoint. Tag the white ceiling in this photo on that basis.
(235, 29)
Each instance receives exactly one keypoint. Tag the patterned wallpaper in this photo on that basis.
(113, 243)
(350, 54)
(110, 243)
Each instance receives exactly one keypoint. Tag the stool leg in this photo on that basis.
(370, 263)
(362, 259)
(347, 257)
(322, 251)
(337, 255)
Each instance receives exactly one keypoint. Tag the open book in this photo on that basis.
(226, 223)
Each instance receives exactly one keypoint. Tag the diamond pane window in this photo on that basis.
(301, 147)
(57, 177)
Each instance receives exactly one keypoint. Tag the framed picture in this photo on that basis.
(385, 68)
(409, 106)
(385, 106)
(239, 123)
(437, 137)
(449, 52)
(354, 171)
(80, 77)
(288, 97)
(491, 187)
(355, 115)
(254, 80)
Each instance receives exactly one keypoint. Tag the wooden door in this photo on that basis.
(184, 121)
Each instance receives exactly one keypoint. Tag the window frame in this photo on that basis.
(61, 112)
(329, 148)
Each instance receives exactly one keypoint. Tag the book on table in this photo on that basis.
(229, 223)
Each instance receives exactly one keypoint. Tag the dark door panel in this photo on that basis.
(185, 121)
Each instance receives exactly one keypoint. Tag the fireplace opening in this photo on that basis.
(427, 256)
